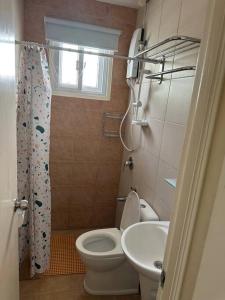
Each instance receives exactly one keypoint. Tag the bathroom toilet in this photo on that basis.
(107, 270)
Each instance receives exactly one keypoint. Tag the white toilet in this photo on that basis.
(108, 271)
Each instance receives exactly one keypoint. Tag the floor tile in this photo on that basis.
(68, 287)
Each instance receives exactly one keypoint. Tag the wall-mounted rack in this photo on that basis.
(113, 116)
(168, 48)
(175, 70)
(171, 46)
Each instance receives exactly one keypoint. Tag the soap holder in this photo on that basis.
(171, 181)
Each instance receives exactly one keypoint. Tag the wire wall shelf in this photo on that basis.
(175, 70)
(114, 117)
(167, 48)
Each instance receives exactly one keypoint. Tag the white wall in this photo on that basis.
(166, 106)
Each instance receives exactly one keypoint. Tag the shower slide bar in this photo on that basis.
(116, 56)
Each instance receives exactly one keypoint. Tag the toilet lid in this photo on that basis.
(131, 212)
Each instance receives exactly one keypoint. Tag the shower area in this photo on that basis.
(82, 153)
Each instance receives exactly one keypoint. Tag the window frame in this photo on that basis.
(103, 92)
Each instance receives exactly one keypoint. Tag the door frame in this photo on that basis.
(194, 199)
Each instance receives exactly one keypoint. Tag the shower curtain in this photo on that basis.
(33, 134)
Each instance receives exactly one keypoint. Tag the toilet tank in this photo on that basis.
(147, 213)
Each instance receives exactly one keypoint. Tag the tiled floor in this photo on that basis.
(65, 287)
(61, 288)
(25, 267)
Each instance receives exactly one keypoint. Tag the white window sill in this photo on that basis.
(81, 95)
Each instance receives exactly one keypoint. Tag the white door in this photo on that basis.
(9, 269)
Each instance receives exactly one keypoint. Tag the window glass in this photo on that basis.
(69, 66)
(81, 75)
(91, 69)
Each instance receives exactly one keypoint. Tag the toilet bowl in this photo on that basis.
(108, 270)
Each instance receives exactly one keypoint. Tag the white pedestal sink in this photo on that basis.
(144, 245)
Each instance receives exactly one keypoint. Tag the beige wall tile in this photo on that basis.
(179, 100)
(148, 194)
(172, 143)
(169, 18)
(164, 195)
(153, 19)
(146, 171)
(195, 11)
(152, 136)
(163, 189)
(158, 100)
(163, 210)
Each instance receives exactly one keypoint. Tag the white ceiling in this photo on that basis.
(128, 3)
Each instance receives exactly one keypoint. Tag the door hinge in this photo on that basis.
(162, 278)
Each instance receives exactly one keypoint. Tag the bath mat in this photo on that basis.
(64, 256)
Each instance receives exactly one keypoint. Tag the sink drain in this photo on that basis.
(158, 264)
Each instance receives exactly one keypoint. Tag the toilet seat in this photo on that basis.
(87, 243)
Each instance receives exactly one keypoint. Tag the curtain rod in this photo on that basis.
(46, 46)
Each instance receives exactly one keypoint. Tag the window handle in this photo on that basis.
(77, 65)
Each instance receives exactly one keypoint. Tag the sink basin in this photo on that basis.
(144, 245)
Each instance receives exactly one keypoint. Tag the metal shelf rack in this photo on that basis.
(168, 48)
(117, 117)
(175, 70)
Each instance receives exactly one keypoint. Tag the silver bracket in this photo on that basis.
(162, 69)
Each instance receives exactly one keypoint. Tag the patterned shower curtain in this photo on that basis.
(33, 133)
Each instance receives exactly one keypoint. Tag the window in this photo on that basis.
(78, 74)
(81, 75)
